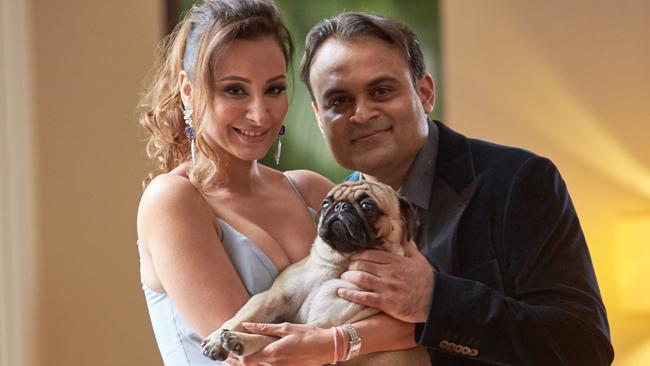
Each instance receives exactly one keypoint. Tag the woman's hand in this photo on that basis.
(299, 345)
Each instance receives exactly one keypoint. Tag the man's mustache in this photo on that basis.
(358, 131)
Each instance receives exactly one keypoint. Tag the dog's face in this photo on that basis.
(365, 215)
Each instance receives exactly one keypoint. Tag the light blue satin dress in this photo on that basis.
(179, 344)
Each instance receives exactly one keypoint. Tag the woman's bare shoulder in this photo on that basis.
(171, 198)
(170, 189)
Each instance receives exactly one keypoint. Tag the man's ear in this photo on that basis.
(426, 89)
(407, 211)
(185, 87)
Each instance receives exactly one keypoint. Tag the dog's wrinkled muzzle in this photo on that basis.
(345, 231)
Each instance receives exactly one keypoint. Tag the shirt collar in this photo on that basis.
(419, 178)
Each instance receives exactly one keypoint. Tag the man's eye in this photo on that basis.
(381, 92)
(337, 101)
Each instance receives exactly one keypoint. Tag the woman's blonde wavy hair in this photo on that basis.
(194, 46)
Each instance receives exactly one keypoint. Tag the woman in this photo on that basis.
(214, 226)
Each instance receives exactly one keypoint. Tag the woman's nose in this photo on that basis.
(258, 111)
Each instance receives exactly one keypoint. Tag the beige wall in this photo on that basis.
(16, 186)
(568, 80)
(90, 59)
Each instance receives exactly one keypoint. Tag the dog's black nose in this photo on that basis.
(342, 206)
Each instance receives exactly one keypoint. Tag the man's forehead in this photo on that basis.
(333, 55)
(336, 52)
(339, 62)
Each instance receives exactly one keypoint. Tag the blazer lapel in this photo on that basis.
(454, 186)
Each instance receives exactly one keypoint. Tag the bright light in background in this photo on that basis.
(639, 356)
(580, 134)
(574, 128)
(633, 246)
(541, 99)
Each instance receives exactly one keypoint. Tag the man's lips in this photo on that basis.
(367, 135)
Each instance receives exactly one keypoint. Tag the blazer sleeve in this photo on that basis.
(554, 314)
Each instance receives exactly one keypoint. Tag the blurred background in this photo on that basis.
(567, 79)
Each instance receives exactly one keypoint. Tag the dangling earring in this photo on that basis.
(189, 131)
(278, 150)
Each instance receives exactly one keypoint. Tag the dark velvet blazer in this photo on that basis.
(514, 284)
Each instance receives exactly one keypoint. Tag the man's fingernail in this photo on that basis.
(248, 325)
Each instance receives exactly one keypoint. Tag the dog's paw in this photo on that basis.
(213, 346)
(232, 342)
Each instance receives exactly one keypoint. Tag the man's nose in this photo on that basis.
(364, 111)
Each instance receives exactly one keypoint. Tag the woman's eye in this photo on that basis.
(276, 90)
(235, 90)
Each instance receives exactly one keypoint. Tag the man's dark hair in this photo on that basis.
(350, 25)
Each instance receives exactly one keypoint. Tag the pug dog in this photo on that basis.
(355, 216)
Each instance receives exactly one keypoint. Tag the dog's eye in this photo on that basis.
(325, 204)
(368, 207)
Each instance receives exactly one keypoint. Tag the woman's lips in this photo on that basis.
(251, 136)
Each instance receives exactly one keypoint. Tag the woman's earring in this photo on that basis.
(189, 131)
(278, 150)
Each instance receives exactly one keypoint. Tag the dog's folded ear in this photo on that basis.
(410, 217)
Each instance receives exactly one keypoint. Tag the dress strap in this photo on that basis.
(295, 189)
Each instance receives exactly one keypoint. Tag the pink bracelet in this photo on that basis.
(341, 344)
(336, 347)
(345, 343)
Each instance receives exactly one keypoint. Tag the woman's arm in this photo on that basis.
(302, 344)
(177, 230)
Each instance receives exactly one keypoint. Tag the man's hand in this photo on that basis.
(299, 344)
(400, 286)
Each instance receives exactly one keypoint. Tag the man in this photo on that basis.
(510, 280)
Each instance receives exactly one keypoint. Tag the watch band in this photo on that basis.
(355, 341)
